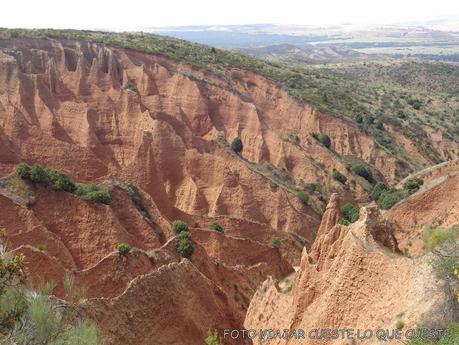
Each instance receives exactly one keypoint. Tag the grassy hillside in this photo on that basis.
(371, 96)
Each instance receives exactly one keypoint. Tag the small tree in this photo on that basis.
(236, 145)
(351, 212)
(378, 189)
(185, 244)
(213, 338)
(303, 197)
(363, 171)
(274, 242)
(389, 198)
(124, 249)
(217, 227)
(412, 185)
(324, 140)
(339, 177)
(179, 226)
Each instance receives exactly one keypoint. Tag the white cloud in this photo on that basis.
(141, 13)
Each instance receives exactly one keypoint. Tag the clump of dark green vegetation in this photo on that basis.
(217, 227)
(213, 338)
(412, 185)
(323, 139)
(130, 86)
(29, 318)
(60, 181)
(442, 242)
(274, 242)
(378, 189)
(303, 197)
(387, 197)
(451, 337)
(180, 226)
(363, 171)
(351, 214)
(124, 249)
(236, 145)
(437, 236)
(339, 177)
(184, 244)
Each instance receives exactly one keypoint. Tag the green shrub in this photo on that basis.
(339, 177)
(217, 227)
(350, 212)
(451, 338)
(93, 193)
(415, 103)
(378, 189)
(399, 324)
(185, 244)
(303, 197)
(324, 140)
(363, 171)
(23, 171)
(436, 236)
(124, 248)
(389, 198)
(179, 226)
(412, 185)
(236, 145)
(37, 174)
(344, 222)
(274, 242)
(58, 180)
(380, 125)
(213, 338)
(311, 187)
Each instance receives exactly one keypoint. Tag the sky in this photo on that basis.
(96, 14)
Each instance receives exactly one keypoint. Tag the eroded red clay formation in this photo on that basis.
(353, 277)
(64, 104)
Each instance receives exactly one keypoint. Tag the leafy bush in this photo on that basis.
(363, 171)
(131, 87)
(323, 139)
(124, 248)
(93, 193)
(274, 242)
(60, 181)
(378, 189)
(399, 324)
(415, 103)
(350, 212)
(213, 338)
(451, 338)
(29, 318)
(339, 177)
(344, 222)
(389, 198)
(311, 187)
(303, 197)
(436, 236)
(179, 226)
(23, 171)
(412, 185)
(236, 145)
(380, 125)
(217, 227)
(185, 244)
